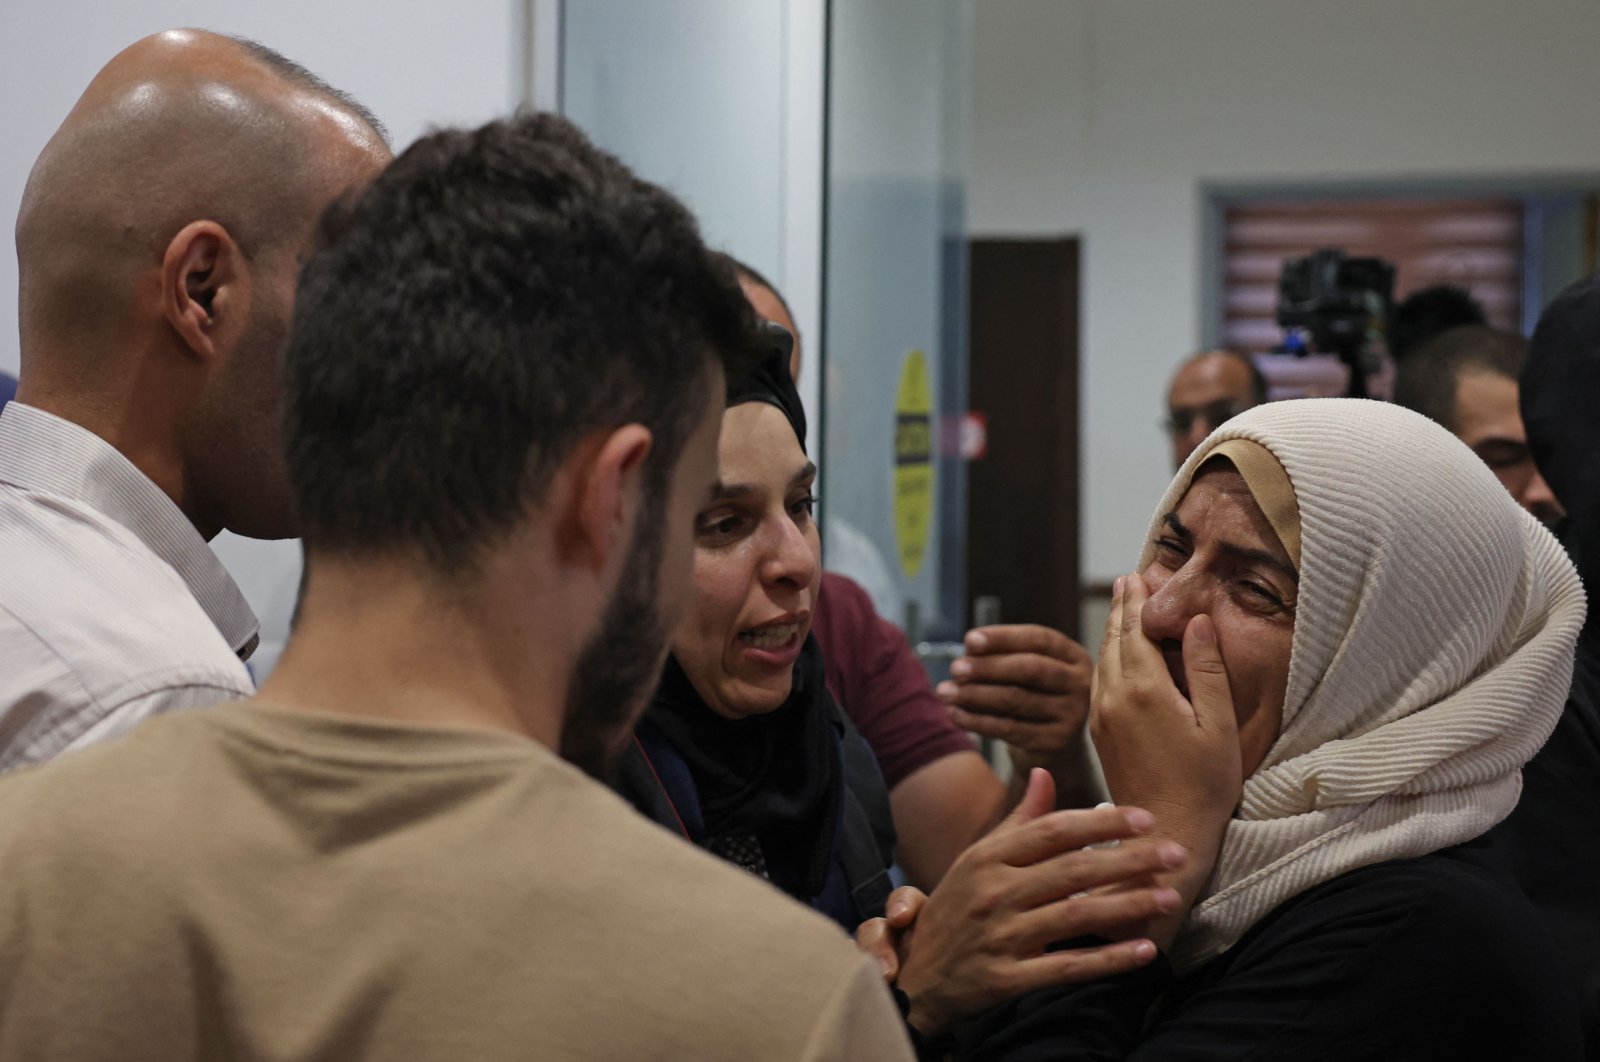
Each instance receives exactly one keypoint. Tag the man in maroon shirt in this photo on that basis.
(1026, 685)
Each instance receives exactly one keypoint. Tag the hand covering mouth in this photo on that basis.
(1174, 661)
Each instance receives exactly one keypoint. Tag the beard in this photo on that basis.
(621, 664)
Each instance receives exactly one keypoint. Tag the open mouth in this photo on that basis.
(770, 635)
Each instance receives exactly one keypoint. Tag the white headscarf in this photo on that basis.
(1433, 644)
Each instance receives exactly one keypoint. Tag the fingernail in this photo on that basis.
(1138, 819)
(1172, 854)
(1168, 899)
(945, 691)
(961, 668)
(884, 967)
(896, 908)
(977, 641)
(1144, 951)
(1204, 632)
(1116, 587)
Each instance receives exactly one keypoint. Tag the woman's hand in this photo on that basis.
(1177, 756)
(981, 937)
(881, 937)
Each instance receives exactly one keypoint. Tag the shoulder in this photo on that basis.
(842, 605)
(109, 805)
(853, 635)
(1433, 898)
(1433, 950)
(97, 616)
(842, 589)
(647, 871)
(577, 901)
(856, 641)
(1437, 916)
(850, 551)
(881, 685)
(732, 956)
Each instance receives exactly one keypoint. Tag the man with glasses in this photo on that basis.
(1209, 388)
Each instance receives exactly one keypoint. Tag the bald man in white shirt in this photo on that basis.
(158, 243)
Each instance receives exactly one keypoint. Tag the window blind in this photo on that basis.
(1472, 243)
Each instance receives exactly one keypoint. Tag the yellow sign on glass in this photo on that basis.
(913, 463)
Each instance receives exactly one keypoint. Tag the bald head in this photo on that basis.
(1209, 388)
(158, 243)
(181, 126)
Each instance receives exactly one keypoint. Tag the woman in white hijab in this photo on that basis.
(1339, 605)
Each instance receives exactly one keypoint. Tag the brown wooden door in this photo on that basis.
(1022, 497)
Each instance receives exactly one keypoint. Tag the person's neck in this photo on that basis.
(374, 640)
(139, 418)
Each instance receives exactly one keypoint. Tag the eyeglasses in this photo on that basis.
(1181, 418)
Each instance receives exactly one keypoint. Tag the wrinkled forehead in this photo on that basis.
(1245, 466)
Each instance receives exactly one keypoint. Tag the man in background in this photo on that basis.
(158, 242)
(497, 450)
(1207, 389)
(1466, 379)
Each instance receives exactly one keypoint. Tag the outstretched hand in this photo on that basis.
(1024, 684)
(981, 937)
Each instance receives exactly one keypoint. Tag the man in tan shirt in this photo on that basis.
(504, 392)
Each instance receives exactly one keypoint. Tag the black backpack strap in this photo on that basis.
(653, 778)
(866, 828)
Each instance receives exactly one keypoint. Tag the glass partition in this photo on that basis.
(894, 320)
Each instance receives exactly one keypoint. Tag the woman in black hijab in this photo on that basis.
(743, 750)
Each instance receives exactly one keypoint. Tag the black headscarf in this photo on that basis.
(1560, 386)
(771, 383)
(774, 776)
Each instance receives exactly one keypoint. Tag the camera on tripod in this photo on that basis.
(1342, 305)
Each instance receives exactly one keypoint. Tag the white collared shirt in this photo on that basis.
(112, 606)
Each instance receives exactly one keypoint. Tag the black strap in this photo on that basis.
(866, 831)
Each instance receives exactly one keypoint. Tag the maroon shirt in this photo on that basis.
(878, 681)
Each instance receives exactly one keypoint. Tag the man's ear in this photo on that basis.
(606, 495)
(204, 287)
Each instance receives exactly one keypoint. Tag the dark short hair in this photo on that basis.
(1429, 312)
(1427, 377)
(494, 297)
(296, 74)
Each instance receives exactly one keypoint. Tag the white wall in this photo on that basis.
(416, 63)
(690, 94)
(719, 101)
(1104, 117)
(896, 147)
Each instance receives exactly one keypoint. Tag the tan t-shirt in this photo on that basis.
(253, 883)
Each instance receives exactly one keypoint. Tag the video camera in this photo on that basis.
(1343, 304)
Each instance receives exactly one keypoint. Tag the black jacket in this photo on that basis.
(1436, 959)
(1551, 842)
